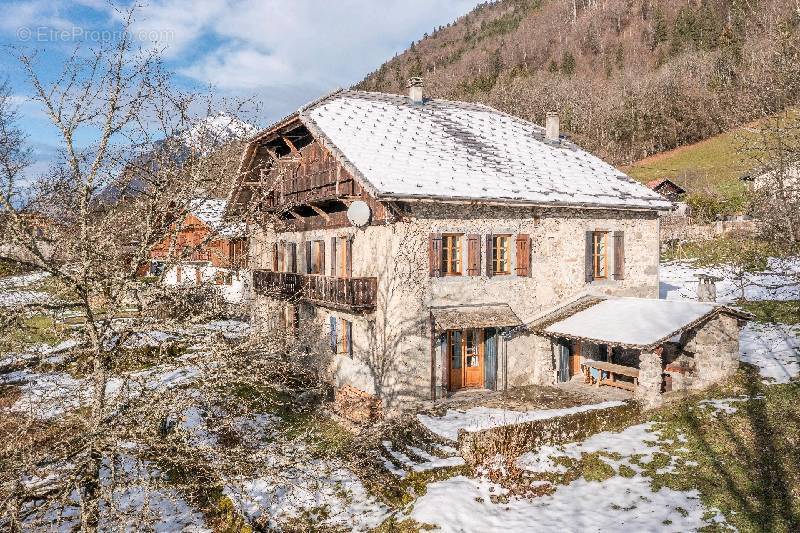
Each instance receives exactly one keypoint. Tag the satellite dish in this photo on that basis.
(359, 213)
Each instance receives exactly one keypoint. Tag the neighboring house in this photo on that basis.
(667, 188)
(437, 246)
(217, 251)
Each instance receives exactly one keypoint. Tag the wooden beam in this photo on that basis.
(290, 144)
(294, 214)
(321, 213)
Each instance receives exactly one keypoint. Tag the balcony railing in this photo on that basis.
(354, 294)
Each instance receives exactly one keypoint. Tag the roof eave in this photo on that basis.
(517, 202)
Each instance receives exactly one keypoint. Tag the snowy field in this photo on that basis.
(616, 504)
(14, 293)
(678, 282)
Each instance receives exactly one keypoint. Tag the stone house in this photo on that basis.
(430, 245)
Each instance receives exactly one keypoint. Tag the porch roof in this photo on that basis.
(474, 316)
(635, 322)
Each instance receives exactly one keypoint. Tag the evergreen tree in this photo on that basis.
(567, 63)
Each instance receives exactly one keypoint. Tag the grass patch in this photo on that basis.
(747, 254)
(12, 268)
(593, 468)
(409, 525)
(773, 311)
(703, 164)
(746, 463)
(29, 331)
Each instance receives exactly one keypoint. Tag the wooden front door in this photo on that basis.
(466, 353)
(575, 359)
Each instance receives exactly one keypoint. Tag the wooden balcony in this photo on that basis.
(349, 294)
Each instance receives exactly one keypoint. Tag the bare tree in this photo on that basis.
(139, 403)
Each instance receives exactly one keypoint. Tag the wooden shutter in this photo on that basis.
(332, 333)
(321, 257)
(589, 266)
(523, 255)
(349, 337)
(275, 257)
(309, 259)
(473, 255)
(348, 257)
(293, 257)
(333, 256)
(490, 359)
(489, 253)
(619, 255)
(435, 254)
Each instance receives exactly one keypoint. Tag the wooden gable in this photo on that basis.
(294, 177)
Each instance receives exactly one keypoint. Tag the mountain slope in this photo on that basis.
(713, 162)
(630, 78)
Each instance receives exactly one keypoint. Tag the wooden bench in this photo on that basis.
(613, 370)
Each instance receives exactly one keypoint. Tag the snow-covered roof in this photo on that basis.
(635, 322)
(211, 211)
(462, 151)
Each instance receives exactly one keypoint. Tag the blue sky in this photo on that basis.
(282, 53)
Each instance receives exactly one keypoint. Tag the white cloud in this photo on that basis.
(33, 14)
(259, 44)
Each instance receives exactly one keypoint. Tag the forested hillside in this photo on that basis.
(630, 78)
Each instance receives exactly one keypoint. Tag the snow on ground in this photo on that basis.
(725, 405)
(678, 281)
(773, 348)
(638, 439)
(51, 394)
(615, 504)
(479, 418)
(230, 329)
(23, 280)
(15, 298)
(12, 293)
(318, 487)
(461, 504)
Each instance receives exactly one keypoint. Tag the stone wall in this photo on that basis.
(392, 346)
(650, 379)
(715, 348)
(513, 440)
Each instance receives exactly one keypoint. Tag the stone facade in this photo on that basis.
(392, 345)
(650, 378)
(715, 349)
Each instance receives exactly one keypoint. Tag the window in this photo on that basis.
(341, 257)
(501, 254)
(223, 278)
(472, 347)
(600, 254)
(317, 257)
(341, 333)
(451, 255)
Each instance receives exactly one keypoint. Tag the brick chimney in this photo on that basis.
(551, 127)
(415, 86)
